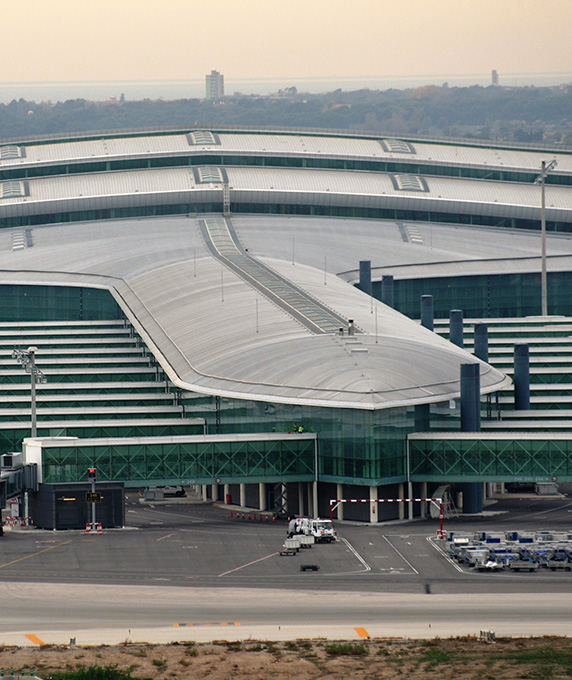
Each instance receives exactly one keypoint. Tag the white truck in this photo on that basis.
(321, 529)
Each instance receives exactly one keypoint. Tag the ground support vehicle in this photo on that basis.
(555, 565)
(288, 552)
(489, 565)
(321, 529)
(306, 541)
(291, 546)
(309, 567)
(520, 564)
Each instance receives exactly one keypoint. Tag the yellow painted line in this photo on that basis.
(362, 632)
(27, 557)
(35, 639)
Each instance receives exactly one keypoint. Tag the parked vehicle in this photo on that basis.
(177, 491)
(321, 529)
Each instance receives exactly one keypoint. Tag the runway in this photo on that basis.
(108, 614)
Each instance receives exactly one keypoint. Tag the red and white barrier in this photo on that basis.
(436, 501)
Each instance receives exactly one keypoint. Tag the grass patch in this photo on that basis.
(436, 656)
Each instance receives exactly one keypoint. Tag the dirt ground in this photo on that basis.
(377, 659)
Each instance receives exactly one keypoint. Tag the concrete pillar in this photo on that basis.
(310, 502)
(226, 491)
(456, 327)
(401, 494)
(205, 493)
(387, 290)
(340, 494)
(423, 509)
(365, 276)
(373, 509)
(301, 499)
(521, 378)
(214, 492)
(262, 496)
(427, 311)
(481, 350)
(242, 488)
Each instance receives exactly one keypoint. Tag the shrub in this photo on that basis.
(346, 649)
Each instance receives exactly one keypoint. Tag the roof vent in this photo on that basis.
(11, 151)
(202, 138)
(397, 146)
(13, 189)
(209, 174)
(409, 183)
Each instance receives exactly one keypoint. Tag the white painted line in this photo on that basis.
(400, 555)
(355, 552)
(438, 549)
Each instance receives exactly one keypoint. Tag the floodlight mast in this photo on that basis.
(544, 170)
(27, 357)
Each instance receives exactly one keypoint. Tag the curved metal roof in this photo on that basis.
(216, 334)
(285, 144)
(287, 186)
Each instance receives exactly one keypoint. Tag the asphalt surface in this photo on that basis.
(188, 570)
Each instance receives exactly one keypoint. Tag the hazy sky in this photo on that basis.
(77, 40)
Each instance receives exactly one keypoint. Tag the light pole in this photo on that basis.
(27, 357)
(544, 170)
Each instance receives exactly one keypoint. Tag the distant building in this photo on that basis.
(495, 78)
(214, 84)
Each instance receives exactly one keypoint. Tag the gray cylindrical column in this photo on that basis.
(470, 398)
(521, 378)
(472, 498)
(427, 311)
(456, 327)
(365, 276)
(471, 422)
(422, 417)
(387, 290)
(482, 342)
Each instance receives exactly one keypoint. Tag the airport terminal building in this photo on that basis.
(238, 310)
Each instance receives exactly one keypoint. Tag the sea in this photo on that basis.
(169, 90)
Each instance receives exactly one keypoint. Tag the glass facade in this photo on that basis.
(483, 296)
(501, 460)
(355, 446)
(56, 303)
(191, 462)
(408, 166)
(278, 209)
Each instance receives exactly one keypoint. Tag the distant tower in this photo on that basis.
(214, 85)
(495, 77)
